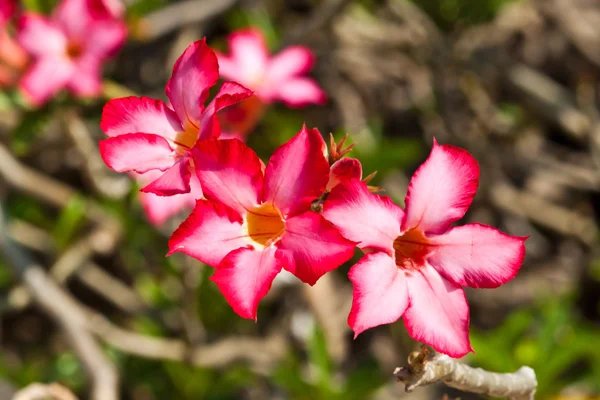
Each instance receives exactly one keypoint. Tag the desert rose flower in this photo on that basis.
(254, 223)
(416, 262)
(146, 134)
(68, 48)
(279, 77)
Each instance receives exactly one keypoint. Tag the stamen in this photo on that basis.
(265, 224)
(411, 249)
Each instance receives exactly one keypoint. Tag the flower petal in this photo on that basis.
(159, 209)
(194, 73)
(229, 172)
(297, 92)
(297, 173)
(344, 170)
(245, 276)
(40, 37)
(139, 152)
(249, 52)
(371, 220)
(139, 114)
(314, 247)
(441, 190)
(210, 232)
(45, 78)
(175, 180)
(380, 294)
(438, 313)
(229, 94)
(104, 38)
(86, 80)
(290, 62)
(477, 255)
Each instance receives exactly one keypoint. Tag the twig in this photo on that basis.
(428, 366)
(176, 15)
(111, 186)
(61, 307)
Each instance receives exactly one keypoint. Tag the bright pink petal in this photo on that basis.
(249, 52)
(477, 255)
(380, 293)
(175, 180)
(290, 62)
(45, 78)
(104, 38)
(245, 277)
(210, 232)
(194, 73)
(371, 220)
(438, 313)
(228, 68)
(159, 209)
(229, 172)
(314, 247)
(441, 190)
(139, 114)
(41, 37)
(298, 92)
(344, 170)
(86, 80)
(7, 10)
(139, 152)
(115, 8)
(229, 94)
(76, 17)
(297, 173)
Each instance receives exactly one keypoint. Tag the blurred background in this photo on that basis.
(513, 82)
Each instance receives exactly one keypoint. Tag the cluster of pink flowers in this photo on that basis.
(65, 50)
(307, 209)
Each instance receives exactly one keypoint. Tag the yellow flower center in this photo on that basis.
(186, 139)
(410, 249)
(265, 224)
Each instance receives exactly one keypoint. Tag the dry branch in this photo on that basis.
(428, 366)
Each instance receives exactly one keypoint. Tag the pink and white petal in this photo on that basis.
(371, 220)
(297, 173)
(139, 152)
(139, 114)
(344, 170)
(314, 247)
(45, 78)
(194, 73)
(40, 36)
(229, 94)
(380, 294)
(73, 17)
(441, 190)
(290, 62)
(229, 172)
(86, 80)
(299, 92)
(477, 255)
(159, 209)
(175, 180)
(210, 232)
(104, 38)
(115, 8)
(245, 276)
(228, 68)
(248, 50)
(438, 313)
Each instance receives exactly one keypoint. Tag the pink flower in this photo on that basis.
(280, 77)
(254, 223)
(416, 261)
(146, 134)
(69, 48)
